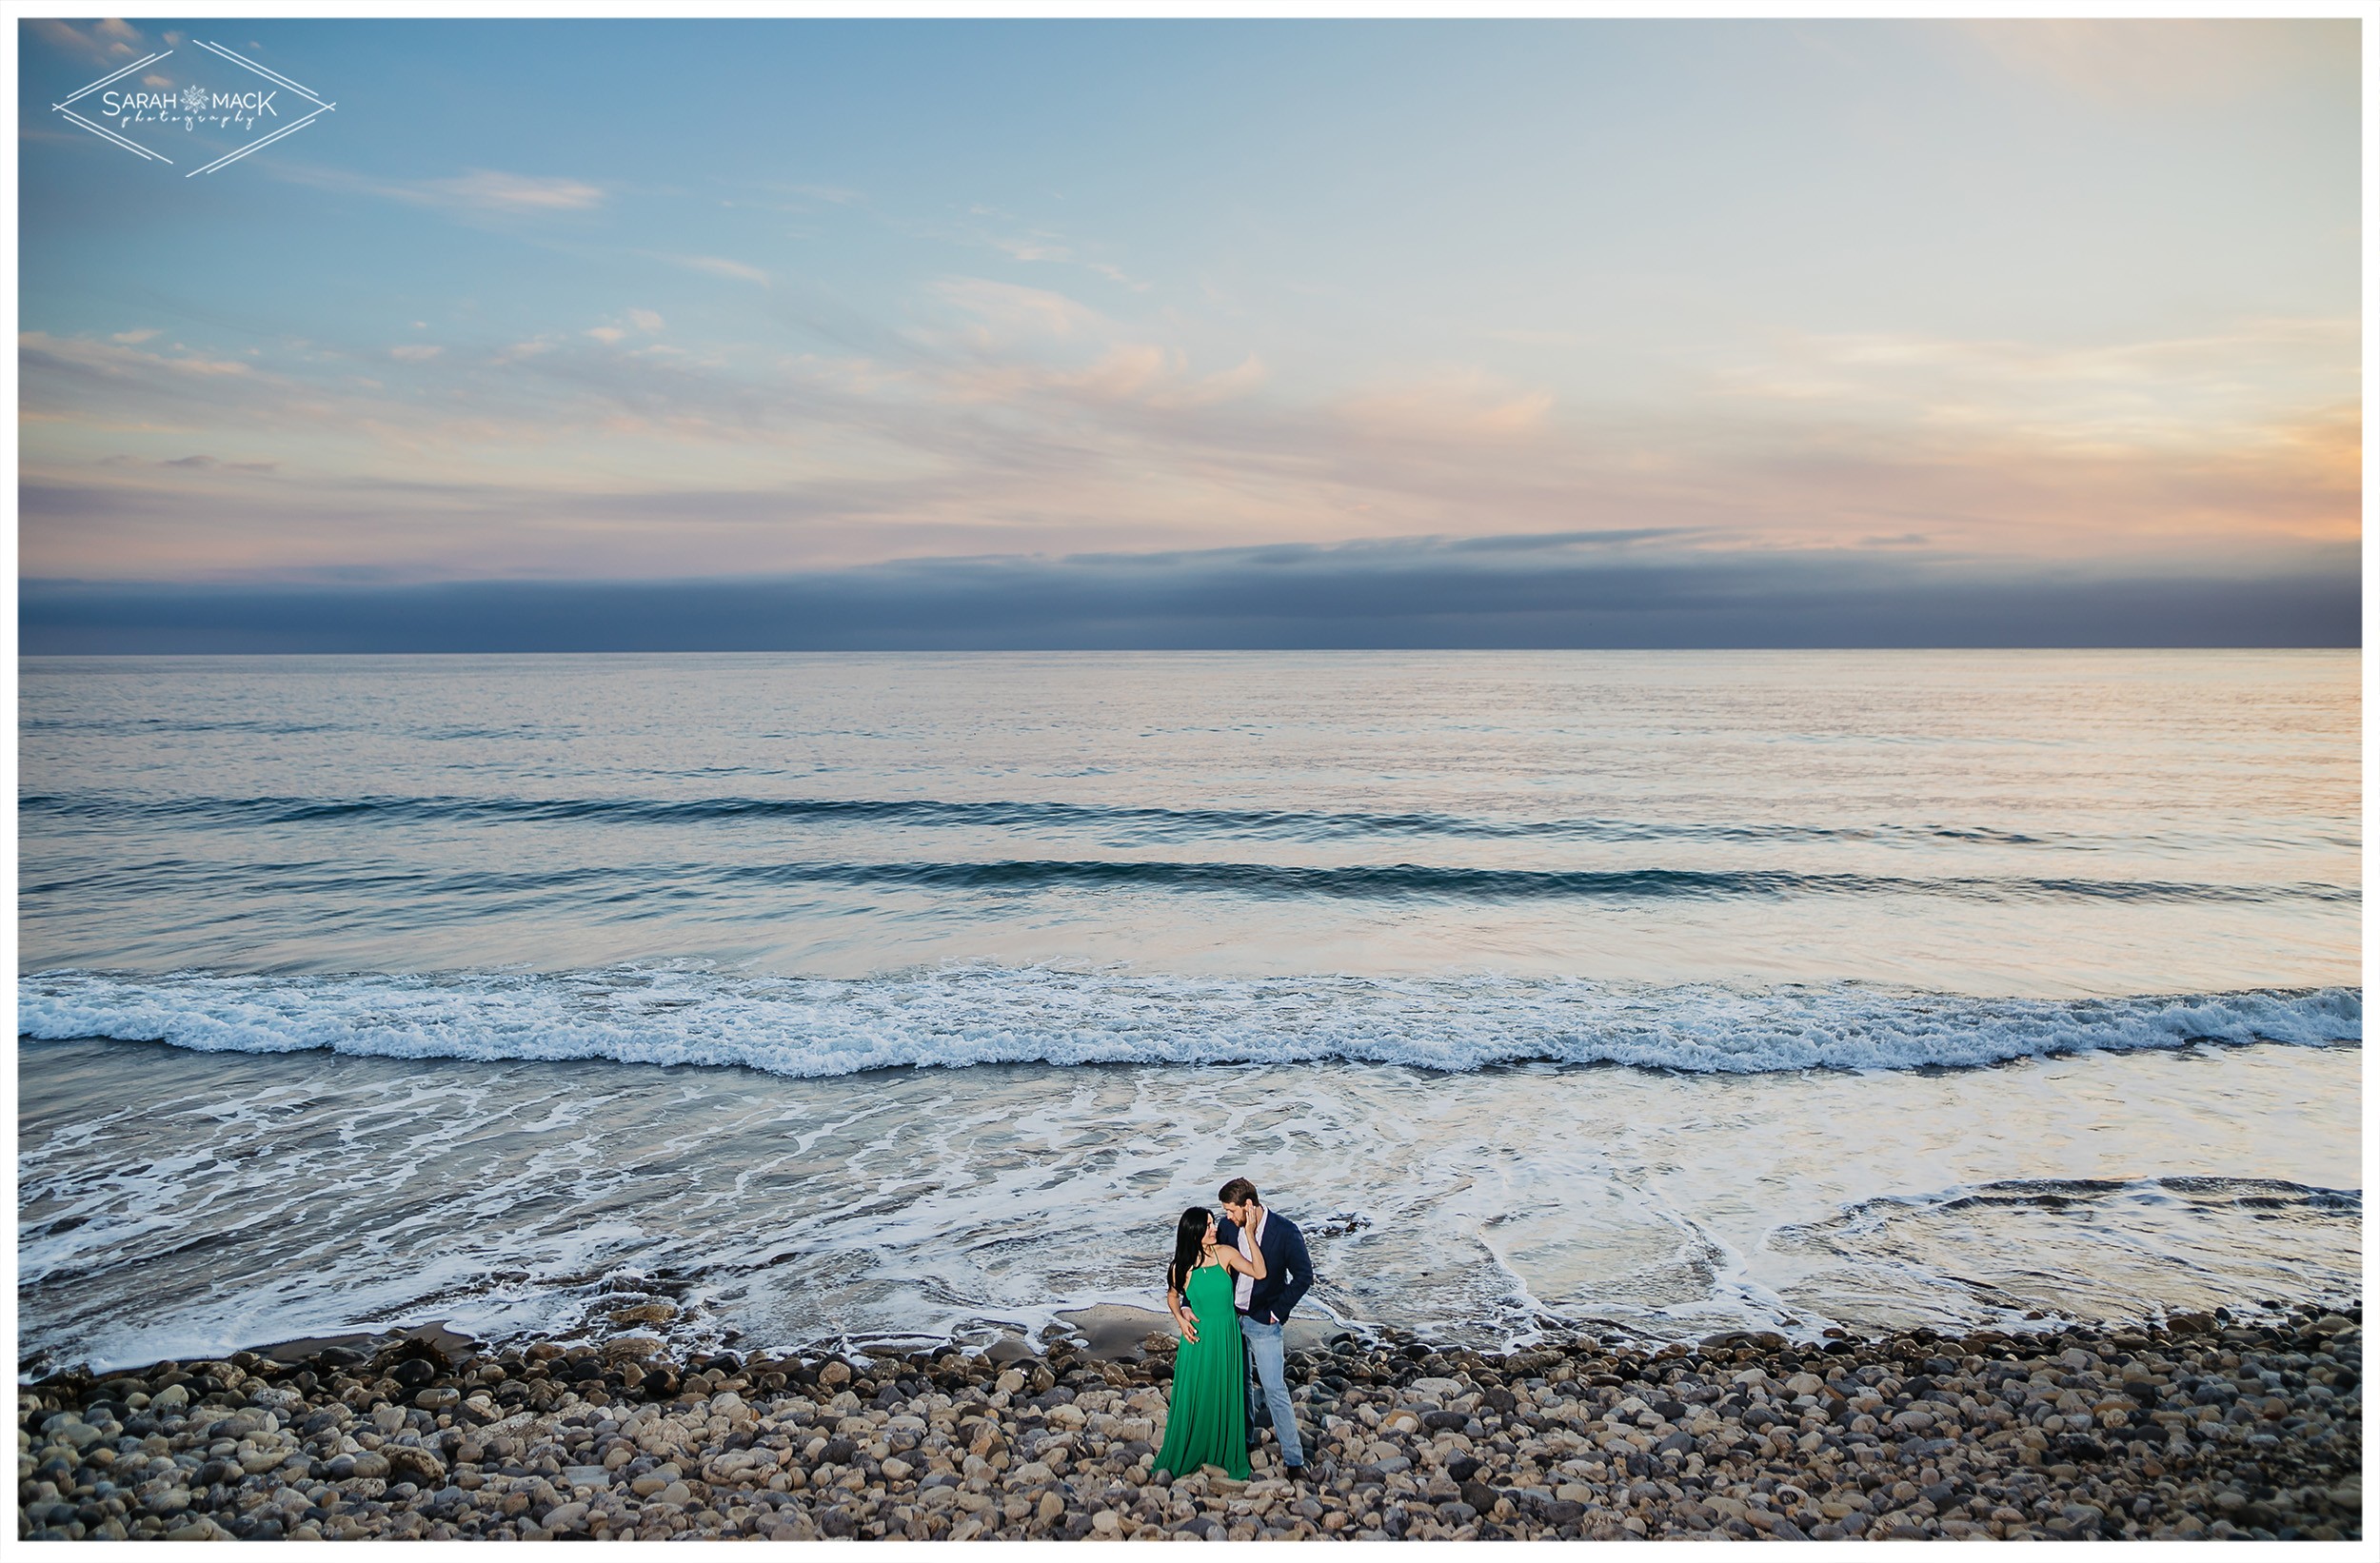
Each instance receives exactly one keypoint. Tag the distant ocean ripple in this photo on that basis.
(1419, 881)
(1142, 823)
(2044, 827)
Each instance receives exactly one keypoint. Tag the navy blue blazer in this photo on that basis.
(1288, 1273)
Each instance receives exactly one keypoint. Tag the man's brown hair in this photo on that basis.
(1239, 1191)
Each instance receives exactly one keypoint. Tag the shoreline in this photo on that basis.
(2199, 1426)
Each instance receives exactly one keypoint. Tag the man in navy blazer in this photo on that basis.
(1264, 1306)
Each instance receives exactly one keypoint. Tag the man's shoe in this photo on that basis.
(1295, 1472)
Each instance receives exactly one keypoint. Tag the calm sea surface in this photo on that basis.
(817, 993)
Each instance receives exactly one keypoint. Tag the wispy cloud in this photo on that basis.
(484, 191)
(114, 358)
(109, 42)
(1001, 313)
(1002, 416)
(718, 266)
(1026, 244)
(1457, 402)
(205, 464)
(499, 191)
(2170, 395)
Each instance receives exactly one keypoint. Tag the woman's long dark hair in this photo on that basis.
(1189, 1241)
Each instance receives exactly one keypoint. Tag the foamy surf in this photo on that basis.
(802, 1027)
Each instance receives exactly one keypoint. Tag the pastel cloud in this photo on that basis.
(109, 42)
(115, 358)
(1020, 418)
(484, 193)
(1453, 404)
(513, 193)
(720, 265)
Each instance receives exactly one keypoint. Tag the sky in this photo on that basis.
(1585, 332)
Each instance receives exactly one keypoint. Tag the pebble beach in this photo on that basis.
(2201, 1425)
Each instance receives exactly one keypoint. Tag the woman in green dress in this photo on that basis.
(1208, 1421)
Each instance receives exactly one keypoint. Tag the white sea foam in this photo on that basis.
(980, 1015)
(188, 1204)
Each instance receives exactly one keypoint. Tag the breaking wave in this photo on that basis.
(691, 1015)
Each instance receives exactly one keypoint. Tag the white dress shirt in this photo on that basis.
(1243, 1287)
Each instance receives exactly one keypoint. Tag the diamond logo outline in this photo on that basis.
(148, 154)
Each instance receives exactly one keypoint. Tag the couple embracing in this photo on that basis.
(1230, 1287)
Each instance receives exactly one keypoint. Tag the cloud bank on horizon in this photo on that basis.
(1476, 333)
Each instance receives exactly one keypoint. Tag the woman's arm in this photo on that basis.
(1184, 1320)
(1234, 1260)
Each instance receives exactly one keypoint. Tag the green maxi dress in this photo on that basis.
(1208, 1421)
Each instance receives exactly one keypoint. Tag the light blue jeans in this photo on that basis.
(1264, 1352)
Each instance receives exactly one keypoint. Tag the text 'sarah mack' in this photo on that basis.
(166, 105)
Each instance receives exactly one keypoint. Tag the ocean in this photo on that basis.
(835, 999)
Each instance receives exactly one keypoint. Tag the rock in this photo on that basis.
(418, 1466)
(2185, 1431)
(412, 1373)
(645, 1312)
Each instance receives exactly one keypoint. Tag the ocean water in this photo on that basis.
(853, 997)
